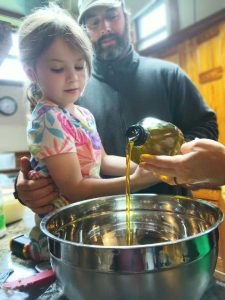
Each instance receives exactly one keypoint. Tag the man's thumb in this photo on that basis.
(25, 165)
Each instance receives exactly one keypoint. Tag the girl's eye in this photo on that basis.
(57, 70)
(79, 68)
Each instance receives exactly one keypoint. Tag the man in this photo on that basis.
(123, 89)
(201, 165)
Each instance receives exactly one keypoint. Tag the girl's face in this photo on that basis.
(61, 73)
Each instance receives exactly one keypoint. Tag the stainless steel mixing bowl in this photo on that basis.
(172, 256)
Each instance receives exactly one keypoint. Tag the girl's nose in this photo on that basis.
(72, 75)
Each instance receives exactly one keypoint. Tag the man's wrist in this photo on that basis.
(15, 193)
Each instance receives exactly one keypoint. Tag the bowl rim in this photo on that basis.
(49, 216)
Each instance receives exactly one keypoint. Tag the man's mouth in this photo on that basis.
(108, 42)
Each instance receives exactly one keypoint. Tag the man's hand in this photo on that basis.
(36, 194)
(200, 164)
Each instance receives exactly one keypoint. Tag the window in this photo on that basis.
(11, 68)
(151, 25)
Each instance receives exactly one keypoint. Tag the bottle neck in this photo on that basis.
(136, 134)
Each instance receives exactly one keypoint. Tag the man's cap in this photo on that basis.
(85, 5)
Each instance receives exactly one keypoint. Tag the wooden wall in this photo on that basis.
(203, 58)
(200, 51)
(202, 55)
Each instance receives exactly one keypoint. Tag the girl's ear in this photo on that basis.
(30, 73)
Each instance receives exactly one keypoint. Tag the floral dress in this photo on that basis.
(53, 130)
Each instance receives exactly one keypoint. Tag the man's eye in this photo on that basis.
(56, 70)
(95, 22)
(112, 16)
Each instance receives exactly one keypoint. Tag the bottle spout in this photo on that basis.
(136, 134)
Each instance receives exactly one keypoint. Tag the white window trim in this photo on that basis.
(17, 75)
(153, 37)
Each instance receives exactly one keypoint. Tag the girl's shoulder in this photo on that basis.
(42, 108)
(85, 112)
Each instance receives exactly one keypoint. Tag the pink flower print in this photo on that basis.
(79, 135)
(57, 148)
(66, 125)
(47, 152)
(64, 147)
(81, 138)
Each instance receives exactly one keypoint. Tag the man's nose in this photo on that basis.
(105, 26)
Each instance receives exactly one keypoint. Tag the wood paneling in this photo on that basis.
(202, 56)
(18, 156)
(211, 75)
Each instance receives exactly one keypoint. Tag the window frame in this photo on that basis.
(14, 58)
(137, 19)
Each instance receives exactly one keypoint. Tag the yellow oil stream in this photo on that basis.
(129, 235)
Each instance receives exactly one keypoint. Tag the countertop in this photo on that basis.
(23, 268)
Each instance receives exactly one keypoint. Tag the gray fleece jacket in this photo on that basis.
(122, 93)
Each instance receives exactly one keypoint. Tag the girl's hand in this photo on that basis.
(142, 179)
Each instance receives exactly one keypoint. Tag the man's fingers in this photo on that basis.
(42, 201)
(162, 160)
(157, 170)
(188, 147)
(44, 209)
(36, 198)
(168, 179)
(25, 165)
(33, 185)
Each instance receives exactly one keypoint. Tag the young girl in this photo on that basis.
(63, 140)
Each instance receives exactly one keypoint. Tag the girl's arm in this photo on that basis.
(115, 165)
(65, 172)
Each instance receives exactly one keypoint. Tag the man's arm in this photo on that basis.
(36, 194)
(191, 112)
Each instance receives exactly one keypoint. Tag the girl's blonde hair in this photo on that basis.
(38, 31)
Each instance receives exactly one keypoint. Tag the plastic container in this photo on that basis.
(2, 217)
(155, 137)
(14, 210)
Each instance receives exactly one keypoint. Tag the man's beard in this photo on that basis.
(114, 51)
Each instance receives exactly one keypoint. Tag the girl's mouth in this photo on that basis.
(71, 91)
